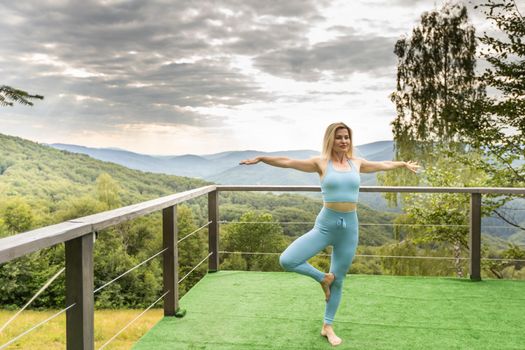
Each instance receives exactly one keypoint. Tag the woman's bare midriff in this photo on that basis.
(341, 206)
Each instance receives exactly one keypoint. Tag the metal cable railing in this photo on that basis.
(224, 222)
(160, 298)
(128, 271)
(36, 326)
(132, 321)
(383, 256)
(48, 283)
(148, 259)
(196, 266)
(77, 235)
(40, 291)
(194, 232)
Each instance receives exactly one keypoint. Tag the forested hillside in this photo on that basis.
(40, 172)
(40, 185)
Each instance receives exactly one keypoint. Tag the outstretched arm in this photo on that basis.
(307, 165)
(370, 167)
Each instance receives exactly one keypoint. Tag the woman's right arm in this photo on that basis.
(307, 165)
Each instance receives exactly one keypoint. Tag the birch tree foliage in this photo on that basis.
(435, 91)
(436, 82)
(499, 128)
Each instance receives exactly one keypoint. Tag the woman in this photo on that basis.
(336, 224)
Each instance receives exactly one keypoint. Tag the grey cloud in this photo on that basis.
(184, 51)
(98, 39)
(179, 28)
(410, 2)
(342, 56)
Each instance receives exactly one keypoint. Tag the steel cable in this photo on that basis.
(194, 232)
(199, 264)
(36, 326)
(128, 271)
(47, 284)
(133, 320)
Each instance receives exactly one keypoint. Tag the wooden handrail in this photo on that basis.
(24, 243)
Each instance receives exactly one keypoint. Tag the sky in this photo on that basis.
(177, 77)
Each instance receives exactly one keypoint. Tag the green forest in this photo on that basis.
(40, 186)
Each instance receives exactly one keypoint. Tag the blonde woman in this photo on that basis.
(336, 224)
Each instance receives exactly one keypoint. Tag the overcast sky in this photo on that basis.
(176, 77)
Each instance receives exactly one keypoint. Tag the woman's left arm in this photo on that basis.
(370, 167)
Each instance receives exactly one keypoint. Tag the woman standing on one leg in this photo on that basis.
(336, 224)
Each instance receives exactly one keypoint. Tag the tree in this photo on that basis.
(18, 215)
(77, 207)
(436, 81)
(108, 191)
(255, 233)
(436, 84)
(192, 249)
(9, 95)
(440, 220)
(513, 258)
(481, 132)
(500, 128)
(497, 128)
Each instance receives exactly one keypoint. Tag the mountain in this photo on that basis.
(375, 151)
(223, 167)
(42, 173)
(118, 156)
(52, 181)
(46, 174)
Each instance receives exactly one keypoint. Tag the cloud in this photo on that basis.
(139, 60)
(111, 64)
(337, 58)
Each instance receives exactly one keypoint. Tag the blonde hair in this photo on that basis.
(329, 137)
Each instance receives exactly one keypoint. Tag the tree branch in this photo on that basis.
(506, 163)
(517, 9)
(508, 221)
(8, 93)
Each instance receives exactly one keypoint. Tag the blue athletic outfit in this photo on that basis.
(339, 229)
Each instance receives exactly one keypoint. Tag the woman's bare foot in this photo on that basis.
(326, 283)
(328, 332)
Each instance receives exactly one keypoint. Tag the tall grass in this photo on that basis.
(52, 335)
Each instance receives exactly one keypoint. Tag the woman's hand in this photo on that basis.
(250, 161)
(412, 166)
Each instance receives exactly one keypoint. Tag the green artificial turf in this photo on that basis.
(277, 310)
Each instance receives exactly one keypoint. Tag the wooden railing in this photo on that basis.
(78, 236)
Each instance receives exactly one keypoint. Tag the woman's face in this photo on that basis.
(342, 140)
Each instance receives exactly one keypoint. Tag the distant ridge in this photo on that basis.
(40, 172)
(223, 167)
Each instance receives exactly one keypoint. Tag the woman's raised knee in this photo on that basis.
(286, 262)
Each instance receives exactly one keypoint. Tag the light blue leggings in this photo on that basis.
(339, 229)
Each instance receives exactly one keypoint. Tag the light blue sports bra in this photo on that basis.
(340, 186)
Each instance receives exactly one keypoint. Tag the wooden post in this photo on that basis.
(79, 290)
(213, 231)
(170, 261)
(475, 237)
